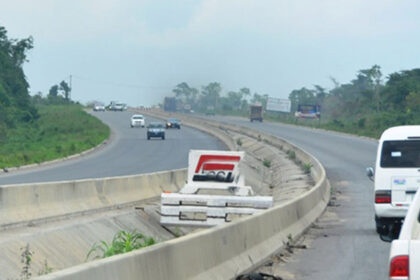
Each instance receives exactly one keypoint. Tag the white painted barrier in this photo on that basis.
(23, 203)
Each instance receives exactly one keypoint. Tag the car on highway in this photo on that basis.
(118, 107)
(98, 107)
(173, 123)
(156, 130)
(137, 120)
(396, 177)
(404, 258)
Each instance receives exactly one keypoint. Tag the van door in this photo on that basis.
(403, 189)
(401, 159)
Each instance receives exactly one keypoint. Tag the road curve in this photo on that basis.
(128, 153)
(345, 244)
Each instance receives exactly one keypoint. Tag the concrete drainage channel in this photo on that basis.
(93, 210)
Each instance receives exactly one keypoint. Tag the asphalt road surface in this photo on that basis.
(345, 245)
(128, 153)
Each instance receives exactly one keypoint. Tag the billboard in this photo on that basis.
(278, 104)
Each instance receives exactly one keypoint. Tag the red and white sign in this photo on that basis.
(214, 166)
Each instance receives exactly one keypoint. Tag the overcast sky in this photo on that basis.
(136, 51)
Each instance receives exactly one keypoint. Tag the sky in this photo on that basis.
(137, 51)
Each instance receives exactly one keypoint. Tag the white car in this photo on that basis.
(396, 177)
(404, 258)
(137, 120)
(98, 107)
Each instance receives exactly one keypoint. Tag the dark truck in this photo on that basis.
(169, 104)
(256, 112)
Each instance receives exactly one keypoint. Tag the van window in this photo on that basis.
(400, 154)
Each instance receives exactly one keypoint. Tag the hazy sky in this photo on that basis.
(136, 51)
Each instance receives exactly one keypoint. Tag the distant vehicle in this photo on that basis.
(173, 123)
(114, 106)
(119, 107)
(156, 129)
(396, 177)
(137, 120)
(256, 112)
(169, 104)
(404, 258)
(98, 107)
(305, 111)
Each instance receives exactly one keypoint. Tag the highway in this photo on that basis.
(344, 245)
(128, 153)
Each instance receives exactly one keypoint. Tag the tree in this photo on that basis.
(53, 92)
(15, 101)
(66, 89)
(182, 91)
(211, 94)
(398, 87)
(258, 98)
(302, 96)
(320, 94)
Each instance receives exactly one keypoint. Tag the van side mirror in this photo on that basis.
(370, 173)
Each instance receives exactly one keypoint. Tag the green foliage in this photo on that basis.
(26, 260)
(301, 96)
(46, 269)
(291, 154)
(239, 141)
(15, 105)
(122, 242)
(61, 130)
(267, 163)
(307, 167)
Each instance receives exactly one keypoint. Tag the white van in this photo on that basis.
(396, 177)
(404, 258)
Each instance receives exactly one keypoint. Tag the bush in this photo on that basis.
(122, 242)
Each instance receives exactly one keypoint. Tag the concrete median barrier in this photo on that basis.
(24, 203)
(222, 252)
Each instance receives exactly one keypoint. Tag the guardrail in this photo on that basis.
(39, 202)
(222, 252)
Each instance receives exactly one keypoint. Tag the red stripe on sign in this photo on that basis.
(218, 166)
(205, 158)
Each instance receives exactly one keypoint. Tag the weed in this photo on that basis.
(239, 141)
(122, 242)
(267, 163)
(307, 167)
(45, 269)
(177, 232)
(26, 260)
(291, 154)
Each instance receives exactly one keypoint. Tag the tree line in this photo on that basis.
(369, 101)
(210, 98)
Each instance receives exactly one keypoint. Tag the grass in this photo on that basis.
(61, 130)
(122, 242)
